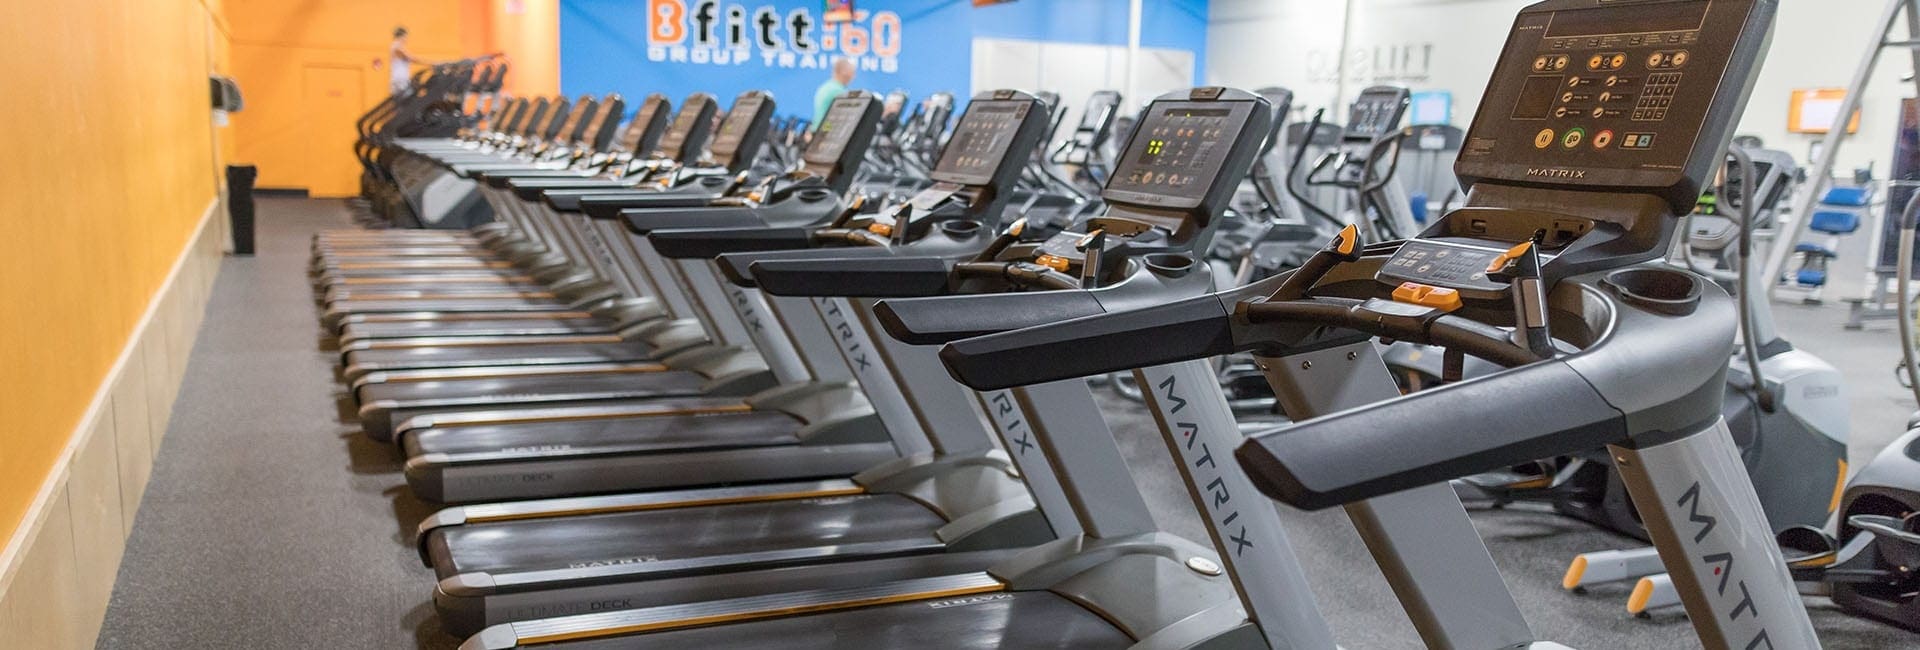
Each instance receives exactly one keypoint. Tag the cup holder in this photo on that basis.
(960, 228)
(1170, 265)
(1660, 290)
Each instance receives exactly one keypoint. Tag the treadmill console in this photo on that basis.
(1179, 168)
(570, 127)
(1176, 153)
(831, 135)
(599, 131)
(1451, 265)
(679, 139)
(985, 155)
(841, 139)
(557, 115)
(644, 131)
(981, 140)
(1280, 101)
(1600, 94)
(1376, 113)
(747, 109)
(1589, 95)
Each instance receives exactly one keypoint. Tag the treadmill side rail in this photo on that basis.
(656, 619)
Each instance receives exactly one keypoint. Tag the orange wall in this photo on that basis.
(531, 40)
(110, 165)
(309, 68)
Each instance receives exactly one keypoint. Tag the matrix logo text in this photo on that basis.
(710, 32)
(1556, 173)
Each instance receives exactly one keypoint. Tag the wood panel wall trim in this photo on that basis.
(110, 482)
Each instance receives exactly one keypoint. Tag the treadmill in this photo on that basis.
(405, 163)
(872, 527)
(388, 398)
(555, 241)
(637, 143)
(588, 134)
(429, 190)
(1114, 580)
(549, 243)
(375, 268)
(817, 424)
(1553, 271)
(366, 356)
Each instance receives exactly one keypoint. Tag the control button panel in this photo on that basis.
(980, 141)
(831, 136)
(1441, 264)
(1601, 96)
(1178, 151)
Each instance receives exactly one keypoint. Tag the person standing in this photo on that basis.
(834, 87)
(400, 62)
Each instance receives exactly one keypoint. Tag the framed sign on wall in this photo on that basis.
(1813, 111)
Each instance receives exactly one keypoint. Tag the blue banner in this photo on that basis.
(726, 47)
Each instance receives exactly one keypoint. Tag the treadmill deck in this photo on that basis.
(990, 621)
(470, 356)
(680, 533)
(686, 431)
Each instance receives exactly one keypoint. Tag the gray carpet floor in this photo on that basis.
(269, 523)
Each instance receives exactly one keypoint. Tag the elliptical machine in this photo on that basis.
(1371, 136)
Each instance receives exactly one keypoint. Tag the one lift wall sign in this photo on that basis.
(710, 32)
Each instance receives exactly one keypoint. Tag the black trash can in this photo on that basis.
(240, 206)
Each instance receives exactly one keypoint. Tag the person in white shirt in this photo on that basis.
(400, 62)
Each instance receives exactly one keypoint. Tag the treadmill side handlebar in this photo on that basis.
(944, 319)
(643, 222)
(885, 277)
(1406, 442)
(707, 243)
(1194, 328)
(611, 204)
(737, 266)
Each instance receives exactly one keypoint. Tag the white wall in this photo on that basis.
(1452, 44)
(1076, 71)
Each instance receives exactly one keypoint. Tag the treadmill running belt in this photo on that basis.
(680, 432)
(471, 356)
(458, 304)
(475, 327)
(1017, 619)
(679, 533)
(493, 390)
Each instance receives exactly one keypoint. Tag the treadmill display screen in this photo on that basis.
(981, 141)
(1176, 153)
(637, 129)
(682, 126)
(1614, 96)
(830, 136)
(1672, 17)
(734, 127)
